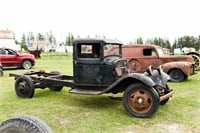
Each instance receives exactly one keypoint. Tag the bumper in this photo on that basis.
(166, 96)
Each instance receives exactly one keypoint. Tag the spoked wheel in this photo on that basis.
(55, 87)
(140, 100)
(24, 124)
(24, 87)
(177, 75)
(197, 62)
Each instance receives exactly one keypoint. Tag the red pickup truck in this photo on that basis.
(10, 58)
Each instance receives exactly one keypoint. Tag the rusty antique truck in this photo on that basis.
(96, 72)
(139, 57)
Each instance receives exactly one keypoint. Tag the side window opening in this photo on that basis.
(88, 50)
(149, 52)
(2, 51)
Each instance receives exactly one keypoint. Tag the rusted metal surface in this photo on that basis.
(185, 67)
(140, 101)
(141, 56)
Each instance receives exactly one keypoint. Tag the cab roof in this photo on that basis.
(95, 40)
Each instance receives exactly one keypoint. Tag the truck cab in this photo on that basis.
(94, 66)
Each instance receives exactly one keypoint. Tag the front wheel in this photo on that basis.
(26, 64)
(140, 100)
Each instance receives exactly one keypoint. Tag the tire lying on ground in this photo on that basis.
(24, 124)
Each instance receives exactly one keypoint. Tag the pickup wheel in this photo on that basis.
(1, 72)
(24, 124)
(140, 100)
(26, 64)
(176, 75)
(55, 88)
(24, 87)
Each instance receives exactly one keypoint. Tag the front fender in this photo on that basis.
(185, 67)
(143, 78)
(122, 83)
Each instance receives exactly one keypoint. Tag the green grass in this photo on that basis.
(65, 112)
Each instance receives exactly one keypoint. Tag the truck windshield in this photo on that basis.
(111, 49)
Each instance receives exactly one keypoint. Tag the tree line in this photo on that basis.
(184, 41)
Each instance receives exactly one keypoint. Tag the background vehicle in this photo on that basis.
(10, 58)
(141, 56)
(98, 72)
(189, 51)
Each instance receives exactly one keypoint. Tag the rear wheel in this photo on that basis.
(140, 100)
(55, 87)
(24, 87)
(26, 64)
(24, 124)
(177, 75)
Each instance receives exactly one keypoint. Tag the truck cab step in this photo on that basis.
(85, 91)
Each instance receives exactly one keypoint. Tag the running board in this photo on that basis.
(85, 92)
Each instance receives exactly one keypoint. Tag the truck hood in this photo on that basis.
(172, 58)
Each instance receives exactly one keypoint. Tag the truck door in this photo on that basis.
(8, 57)
(150, 57)
(87, 64)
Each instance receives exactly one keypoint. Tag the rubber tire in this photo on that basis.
(196, 59)
(173, 75)
(1, 72)
(150, 90)
(26, 64)
(167, 90)
(55, 88)
(24, 124)
(27, 86)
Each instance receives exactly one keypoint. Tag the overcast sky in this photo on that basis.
(122, 19)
